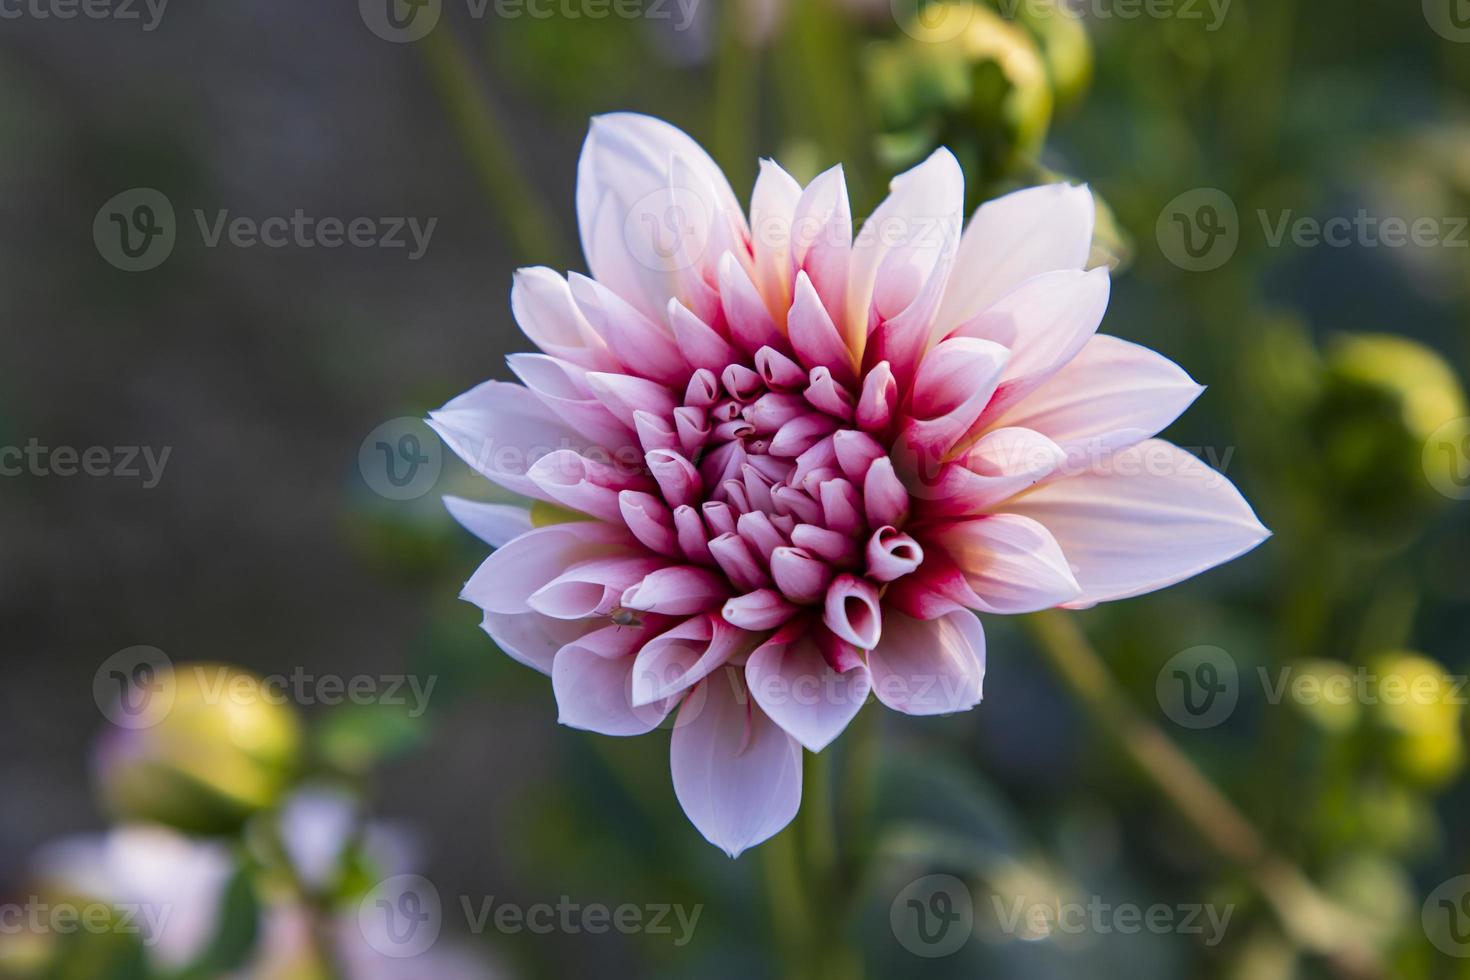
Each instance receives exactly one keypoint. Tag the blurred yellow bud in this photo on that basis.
(1382, 400)
(1064, 45)
(1419, 706)
(966, 77)
(227, 746)
(1324, 691)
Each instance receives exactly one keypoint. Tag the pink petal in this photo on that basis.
(494, 524)
(827, 395)
(1004, 463)
(676, 476)
(779, 371)
(801, 433)
(736, 773)
(543, 307)
(531, 638)
(703, 389)
(877, 399)
(594, 693)
(693, 538)
(650, 521)
(885, 499)
(642, 346)
(830, 546)
(814, 337)
(737, 560)
(751, 326)
(929, 667)
(952, 387)
(634, 174)
(852, 611)
(891, 555)
(500, 430)
(772, 204)
(760, 610)
(800, 692)
(1012, 563)
(1015, 237)
(676, 660)
(855, 452)
(822, 239)
(799, 576)
(911, 237)
(680, 590)
(701, 346)
(624, 394)
(505, 581)
(563, 388)
(583, 484)
(1148, 517)
(655, 432)
(840, 504)
(591, 588)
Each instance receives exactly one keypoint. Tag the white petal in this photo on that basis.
(533, 639)
(1113, 394)
(737, 774)
(1015, 237)
(1149, 516)
(1011, 562)
(1045, 323)
(911, 238)
(654, 211)
(929, 666)
(494, 524)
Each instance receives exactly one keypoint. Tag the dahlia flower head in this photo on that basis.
(800, 460)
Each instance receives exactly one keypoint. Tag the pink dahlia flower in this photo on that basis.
(801, 460)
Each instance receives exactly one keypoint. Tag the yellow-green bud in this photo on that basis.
(224, 747)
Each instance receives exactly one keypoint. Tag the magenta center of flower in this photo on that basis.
(773, 478)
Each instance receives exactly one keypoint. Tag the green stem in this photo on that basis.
(1309, 917)
(785, 896)
(527, 222)
(737, 102)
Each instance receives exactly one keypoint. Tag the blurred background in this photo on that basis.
(245, 248)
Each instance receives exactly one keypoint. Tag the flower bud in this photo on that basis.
(1382, 399)
(1064, 45)
(964, 76)
(1418, 706)
(226, 747)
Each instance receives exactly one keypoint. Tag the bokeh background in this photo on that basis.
(1331, 830)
